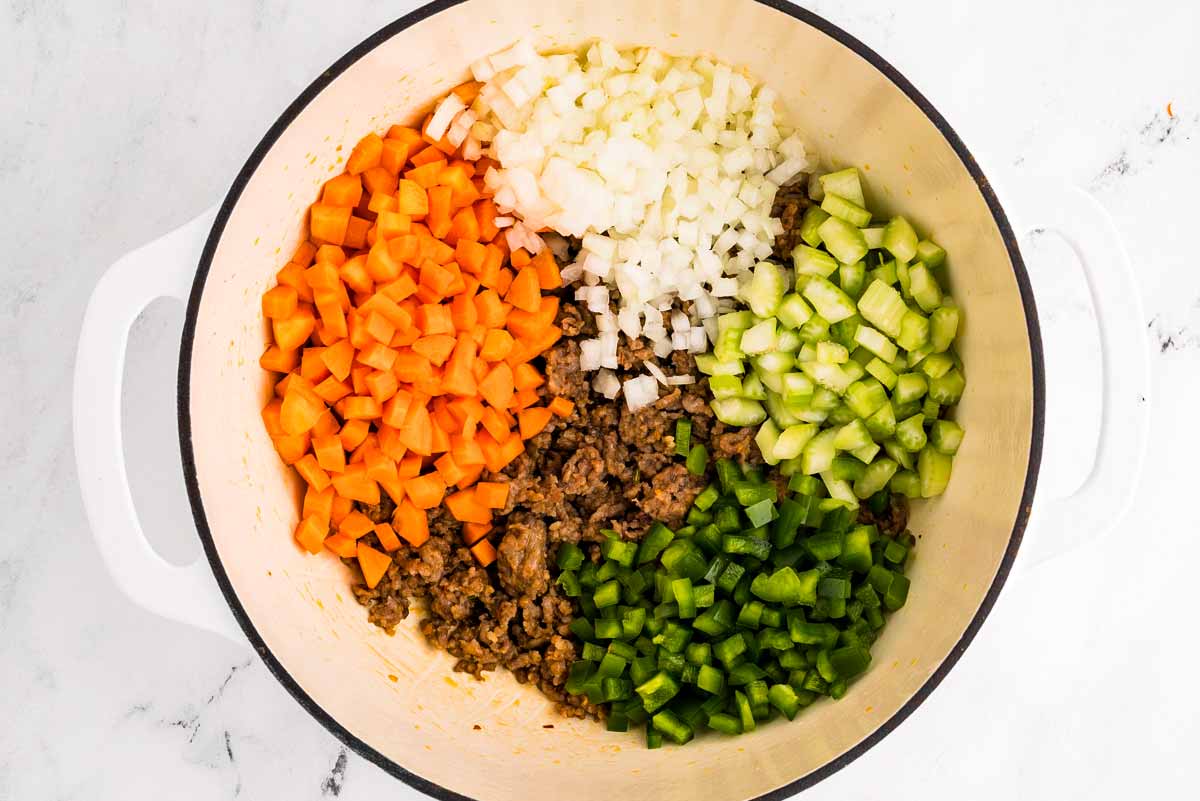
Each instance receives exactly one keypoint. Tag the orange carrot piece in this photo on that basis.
(291, 447)
(417, 432)
(343, 546)
(410, 466)
(492, 494)
(387, 537)
(359, 407)
(466, 451)
(466, 508)
(426, 175)
(339, 358)
(497, 344)
(504, 281)
(311, 534)
(426, 491)
(279, 302)
(411, 199)
(354, 274)
(301, 407)
(497, 387)
(377, 355)
(411, 523)
(427, 155)
(357, 231)
(331, 456)
(339, 509)
(292, 332)
(379, 327)
(437, 348)
(548, 274)
(304, 253)
(353, 433)
(354, 484)
(484, 552)
(526, 324)
(448, 469)
(474, 532)
(328, 223)
(382, 385)
(270, 415)
(319, 504)
(392, 224)
(342, 190)
(382, 266)
(365, 155)
(355, 525)
(278, 360)
(374, 564)
(311, 472)
(439, 220)
(562, 406)
(495, 425)
(394, 155)
(292, 275)
(436, 278)
(378, 180)
(533, 421)
(526, 376)
(510, 449)
(433, 318)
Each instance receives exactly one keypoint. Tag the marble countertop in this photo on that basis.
(124, 118)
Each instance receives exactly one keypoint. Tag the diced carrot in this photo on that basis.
(411, 523)
(439, 220)
(437, 348)
(382, 266)
(411, 199)
(393, 224)
(358, 407)
(304, 253)
(492, 494)
(356, 330)
(457, 285)
(342, 190)
(383, 303)
(387, 537)
(331, 390)
(466, 451)
(427, 155)
(504, 280)
(365, 155)
(356, 232)
(548, 274)
(339, 508)
(464, 225)
(292, 274)
(394, 155)
(497, 387)
(301, 407)
(490, 308)
(291, 447)
(279, 302)
(381, 202)
(343, 546)
(466, 508)
(270, 415)
(380, 466)
(353, 483)
(525, 293)
(382, 384)
(470, 255)
(471, 477)
(311, 472)
(355, 525)
(510, 449)
(426, 175)
(312, 369)
(410, 466)
(339, 358)
(358, 378)
(378, 179)
(374, 564)
(426, 491)
(329, 452)
(405, 134)
(439, 440)
(495, 425)
(379, 327)
(377, 355)
(485, 213)
(436, 278)
(417, 431)
(562, 406)
(433, 318)
(474, 532)
(330, 308)
(529, 324)
(542, 342)
(328, 223)
(326, 425)
(278, 360)
(484, 552)
(353, 433)
(319, 504)
(395, 411)
(448, 469)
(519, 258)
(497, 344)
(292, 332)
(462, 197)
(311, 534)
(389, 442)
(533, 421)
(355, 275)
(526, 376)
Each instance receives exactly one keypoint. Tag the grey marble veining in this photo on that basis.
(120, 119)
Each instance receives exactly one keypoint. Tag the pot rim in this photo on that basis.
(189, 464)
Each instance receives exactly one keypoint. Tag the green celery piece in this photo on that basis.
(738, 411)
(852, 435)
(830, 302)
(866, 397)
(735, 321)
(924, 287)
(900, 239)
(930, 253)
(948, 389)
(910, 387)
(760, 337)
(832, 353)
(766, 440)
(765, 290)
(934, 470)
(813, 217)
(943, 327)
(852, 278)
(876, 343)
(811, 261)
(882, 306)
(753, 388)
(845, 182)
(910, 433)
(845, 209)
(794, 311)
(906, 483)
(844, 241)
(874, 236)
(882, 424)
(818, 453)
(708, 364)
(946, 436)
(875, 477)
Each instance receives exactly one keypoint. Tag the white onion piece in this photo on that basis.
(680, 380)
(656, 371)
(503, 222)
(607, 384)
(640, 392)
(443, 115)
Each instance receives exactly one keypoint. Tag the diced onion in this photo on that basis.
(640, 392)
(607, 384)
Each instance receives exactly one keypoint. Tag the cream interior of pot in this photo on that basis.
(489, 739)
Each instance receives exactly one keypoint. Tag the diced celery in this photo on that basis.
(902, 279)
(813, 217)
(937, 365)
(882, 424)
(914, 331)
(792, 440)
(814, 329)
(948, 389)
(830, 302)
(946, 436)
(808, 353)
(735, 321)
(793, 311)
(832, 353)
(875, 477)
(725, 386)
(779, 412)
(934, 468)
(766, 439)
(728, 346)
(765, 290)
(930, 253)
(893, 449)
(880, 370)
(738, 411)
(874, 236)
(866, 454)
(786, 339)
(839, 488)
(775, 362)
(816, 190)
(843, 331)
(760, 337)
(753, 388)
(915, 357)
(875, 342)
(808, 414)
(709, 365)
(866, 397)
(853, 370)
(797, 388)
(910, 433)
(825, 399)
(882, 306)
(851, 278)
(845, 183)
(810, 261)
(846, 209)
(772, 381)
(852, 435)
(862, 355)
(906, 483)
(943, 327)
(924, 287)
(830, 376)
(900, 239)
(885, 272)
(818, 453)
(931, 409)
(841, 415)
(843, 240)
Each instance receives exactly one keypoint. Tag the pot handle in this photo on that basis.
(1090, 513)
(163, 268)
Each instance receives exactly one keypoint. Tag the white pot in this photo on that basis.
(394, 699)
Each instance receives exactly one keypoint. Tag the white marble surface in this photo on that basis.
(121, 119)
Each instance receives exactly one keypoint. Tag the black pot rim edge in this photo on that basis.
(189, 465)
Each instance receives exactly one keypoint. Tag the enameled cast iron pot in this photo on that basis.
(394, 699)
